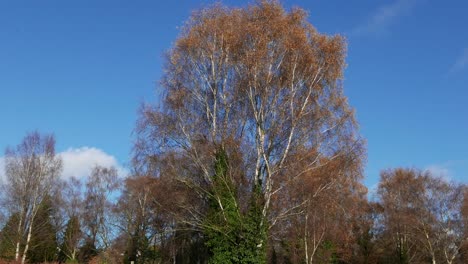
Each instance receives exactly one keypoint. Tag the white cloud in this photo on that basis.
(384, 17)
(461, 62)
(79, 162)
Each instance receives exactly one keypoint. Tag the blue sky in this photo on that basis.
(80, 69)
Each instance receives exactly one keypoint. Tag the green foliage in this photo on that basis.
(8, 237)
(44, 236)
(68, 249)
(222, 224)
(327, 252)
(233, 237)
(254, 229)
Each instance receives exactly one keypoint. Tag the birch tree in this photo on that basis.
(260, 82)
(100, 187)
(72, 193)
(422, 216)
(138, 216)
(31, 169)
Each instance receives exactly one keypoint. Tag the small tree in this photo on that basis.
(32, 169)
(97, 205)
(71, 238)
(138, 216)
(422, 217)
(72, 193)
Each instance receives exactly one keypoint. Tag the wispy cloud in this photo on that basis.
(461, 62)
(78, 162)
(440, 170)
(380, 21)
(451, 170)
(2, 170)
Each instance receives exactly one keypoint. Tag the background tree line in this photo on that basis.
(252, 156)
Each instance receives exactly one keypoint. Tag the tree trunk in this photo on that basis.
(18, 238)
(23, 259)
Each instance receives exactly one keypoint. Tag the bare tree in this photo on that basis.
(138, 216)
(442, 224)
(422, 216)
(72, 193)
(100, 191)
(72, 210)
(32, 169)
(464, 215)
(324, 205)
